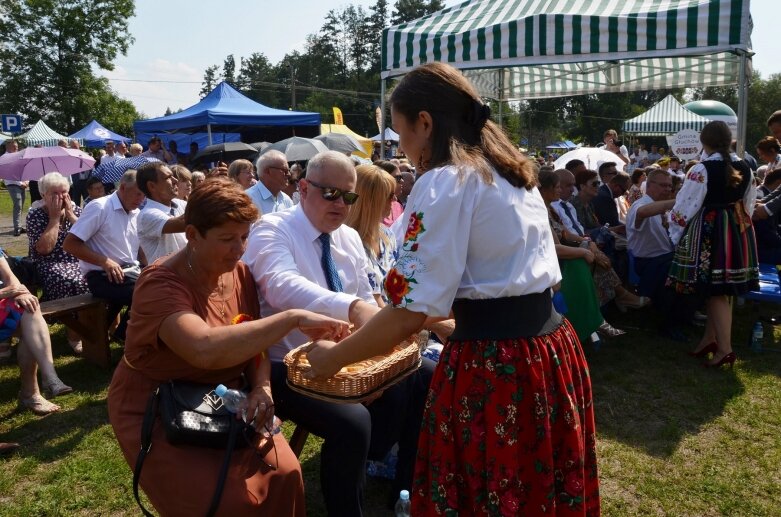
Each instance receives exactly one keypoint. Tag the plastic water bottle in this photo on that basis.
(757, 335)
(235, 401)
(403, 505)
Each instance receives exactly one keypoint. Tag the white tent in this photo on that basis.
(664, 118)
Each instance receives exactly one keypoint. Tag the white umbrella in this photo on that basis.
(593, 157)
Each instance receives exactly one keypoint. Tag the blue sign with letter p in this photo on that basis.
(11, 123)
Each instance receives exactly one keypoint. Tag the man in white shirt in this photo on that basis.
(654, 155)
(563, 207)
(274, 174)
(110, 156)
(155, 149)
(307, 258)
(161, 221)
(611, 143)
(105, 240)
(652, 248)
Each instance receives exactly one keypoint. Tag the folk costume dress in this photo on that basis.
(711, 229)
(508, 427)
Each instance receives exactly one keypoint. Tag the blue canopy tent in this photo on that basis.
(226, 109)
(95, 135)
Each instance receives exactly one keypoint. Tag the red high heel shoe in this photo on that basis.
(727, 359)
(704, 351)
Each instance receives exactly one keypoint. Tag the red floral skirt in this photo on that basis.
(509, 430)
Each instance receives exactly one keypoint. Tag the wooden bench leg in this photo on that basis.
(91, 325)
(298, 440)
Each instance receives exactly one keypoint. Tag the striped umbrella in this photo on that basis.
(113, 171)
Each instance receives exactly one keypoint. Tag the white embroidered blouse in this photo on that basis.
(692, 195)
(468, 239)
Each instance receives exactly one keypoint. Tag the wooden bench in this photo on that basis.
(85, 315)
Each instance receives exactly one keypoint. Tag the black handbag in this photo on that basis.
(192, 414)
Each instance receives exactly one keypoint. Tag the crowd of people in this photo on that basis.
(459, 239)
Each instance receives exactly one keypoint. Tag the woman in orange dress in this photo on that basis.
(181, 330)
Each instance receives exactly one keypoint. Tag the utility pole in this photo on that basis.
(292, 85)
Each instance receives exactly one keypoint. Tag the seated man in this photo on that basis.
(274, 174)
(614, 185)
(307, 258)
(652, 248)
(161, 222)
(766, 230)
(105, 240)
(566, 211)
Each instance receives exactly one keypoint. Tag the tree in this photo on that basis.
(229, 70)
(53, 45)
(408, 10)
(104, 105)
(256, 79)
(209, 80)
(375, 23)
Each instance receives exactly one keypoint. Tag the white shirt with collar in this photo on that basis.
(106, 228)
(568, 223)
(265, 200)
(110, 159)
(647, 238)
(284, 253)
(151, 220)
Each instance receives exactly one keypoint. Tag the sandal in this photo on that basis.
(76, 346)
(607, 330)
(56, 388)
(38, 405)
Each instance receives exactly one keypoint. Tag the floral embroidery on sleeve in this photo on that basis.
(696, 175)
(401, 277)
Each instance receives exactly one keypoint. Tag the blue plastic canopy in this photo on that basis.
(95, 135)
(225, 106)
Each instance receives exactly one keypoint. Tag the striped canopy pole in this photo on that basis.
(382, 119)
(743, 80)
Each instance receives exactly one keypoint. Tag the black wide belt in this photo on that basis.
(512, 317)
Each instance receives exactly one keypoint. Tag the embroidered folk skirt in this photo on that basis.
(509, 430)
(717, 254)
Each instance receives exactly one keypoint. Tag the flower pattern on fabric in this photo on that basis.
(695, 175)
(414, 229)
(382, 263)
(399, 278)
(397, 287)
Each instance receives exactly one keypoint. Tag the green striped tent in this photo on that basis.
(665, 118)
(526, 49)
(41, 134)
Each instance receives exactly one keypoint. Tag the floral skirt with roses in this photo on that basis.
(717, 254)
(509, 430)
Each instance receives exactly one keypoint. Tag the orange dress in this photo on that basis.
(180, 480)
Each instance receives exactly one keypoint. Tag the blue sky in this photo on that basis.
(177, 40)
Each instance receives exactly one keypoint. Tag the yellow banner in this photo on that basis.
(338, 116)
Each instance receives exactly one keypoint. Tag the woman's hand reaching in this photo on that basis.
(316, 326)
(321, 359)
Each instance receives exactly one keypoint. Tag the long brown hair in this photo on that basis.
(463, 134)
(718, 136)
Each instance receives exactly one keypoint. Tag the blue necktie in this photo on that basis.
(329, 268)
(572, 219)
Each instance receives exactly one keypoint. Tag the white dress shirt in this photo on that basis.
(106, 228)
(110, 159)
(649, 238)
(572, 224)
(265, 200)
(151, 220)
(284, 253)
(466, 238)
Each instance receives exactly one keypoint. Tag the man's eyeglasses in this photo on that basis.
(332, 194)
(284, 170)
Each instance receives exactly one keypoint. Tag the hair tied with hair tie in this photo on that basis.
(478, 115)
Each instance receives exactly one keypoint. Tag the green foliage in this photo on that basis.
(229, 70)
(54, 45)
(408, 10)
(210, 80)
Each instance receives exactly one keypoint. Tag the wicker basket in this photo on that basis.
(356, 386)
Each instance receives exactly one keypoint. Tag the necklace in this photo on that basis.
(220, 284)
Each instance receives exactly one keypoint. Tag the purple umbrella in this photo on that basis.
(32, 163)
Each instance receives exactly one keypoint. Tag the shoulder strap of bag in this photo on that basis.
(146, 444)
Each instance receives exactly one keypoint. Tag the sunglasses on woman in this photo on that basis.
(332, 194)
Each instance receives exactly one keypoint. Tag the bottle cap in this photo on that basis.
(404, 495)
(220, 390)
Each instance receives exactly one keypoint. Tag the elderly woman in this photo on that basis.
(241, 172)
(47, 226)
(184, 181)
(181, 329)
(20, 311)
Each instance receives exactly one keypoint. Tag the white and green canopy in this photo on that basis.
(526, 49)
(41, 134)
(665, 118)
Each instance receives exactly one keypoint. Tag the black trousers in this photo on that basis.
(353, 433)
(118, 295)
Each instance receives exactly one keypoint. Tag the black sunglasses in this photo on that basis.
(332, 194)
